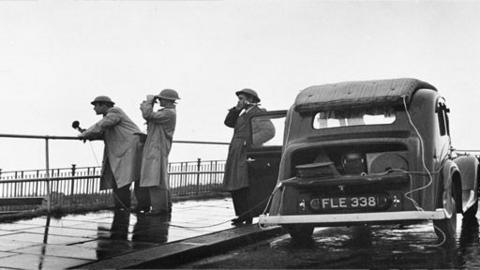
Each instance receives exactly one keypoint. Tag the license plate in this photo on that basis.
(346, 202)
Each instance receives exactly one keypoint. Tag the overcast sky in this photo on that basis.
(57, 55)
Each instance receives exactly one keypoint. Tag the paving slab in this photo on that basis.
(39, 238)
(29, 261)
(65, 231)
(19, 226)
(12, 245)
(74, 252)
(6, 254)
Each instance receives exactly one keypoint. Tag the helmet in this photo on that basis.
(103, 99)
(169, 94)
(249, 92)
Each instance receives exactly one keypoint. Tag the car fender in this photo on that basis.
(468, 166)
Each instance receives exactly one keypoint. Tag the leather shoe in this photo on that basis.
(237, 222)
(241, 221)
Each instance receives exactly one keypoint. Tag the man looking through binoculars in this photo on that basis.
(160, 129)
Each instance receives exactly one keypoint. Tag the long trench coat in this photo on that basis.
(236, 170)
(160, 129)
(122, 152)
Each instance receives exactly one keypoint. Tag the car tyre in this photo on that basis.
(446, 228)
(471, 213)
(300, 232)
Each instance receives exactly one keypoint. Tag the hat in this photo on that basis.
(249, 92)
(102, 99)
(169, 94)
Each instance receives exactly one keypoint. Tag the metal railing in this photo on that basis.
(81, 185)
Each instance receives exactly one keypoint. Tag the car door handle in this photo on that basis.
(250, 159)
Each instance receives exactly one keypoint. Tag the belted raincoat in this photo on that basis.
(160, 129)
(122, 152)
(236, 170)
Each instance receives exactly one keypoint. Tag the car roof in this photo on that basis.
(358, 94)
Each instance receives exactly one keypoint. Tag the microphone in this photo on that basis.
(76, 125)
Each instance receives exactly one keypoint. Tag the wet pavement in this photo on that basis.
(375, 247)
(115, 240)
(75, 240)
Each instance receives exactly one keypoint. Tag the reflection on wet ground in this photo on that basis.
(147, 229)
(73, 240)
(373, 247)
(469, 248)
(412, 246)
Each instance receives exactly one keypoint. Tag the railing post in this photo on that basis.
(21, 183)
(182, 174)
(0, 173)
(73, 181)
(36, 183)
(88, 180)
(198, 175)
(211, 172)
(47, 176)
(216, 171)
(15, 186)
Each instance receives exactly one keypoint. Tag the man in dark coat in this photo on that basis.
(236, 171)
(122, 153)
(160, 129)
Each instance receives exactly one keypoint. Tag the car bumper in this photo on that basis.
(379, 217)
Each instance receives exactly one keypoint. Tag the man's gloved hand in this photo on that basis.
(151, 99)
(240, 105)
(82, 137)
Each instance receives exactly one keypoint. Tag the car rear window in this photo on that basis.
(333, 119)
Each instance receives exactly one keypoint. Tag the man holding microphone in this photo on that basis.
(121, 158)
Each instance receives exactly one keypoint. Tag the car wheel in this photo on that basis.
(471, 213)
(446, 228)
(300, 232)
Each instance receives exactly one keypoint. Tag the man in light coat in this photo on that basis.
(160, 129)
(122, 152)
(236, 170)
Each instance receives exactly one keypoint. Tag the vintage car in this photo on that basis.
(364, 152)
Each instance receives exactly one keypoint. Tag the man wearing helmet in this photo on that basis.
(236, 173)
(160, 129)
(121, 159)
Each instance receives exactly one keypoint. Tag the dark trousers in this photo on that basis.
(240, 203)
(143, 197)
(121, 196)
